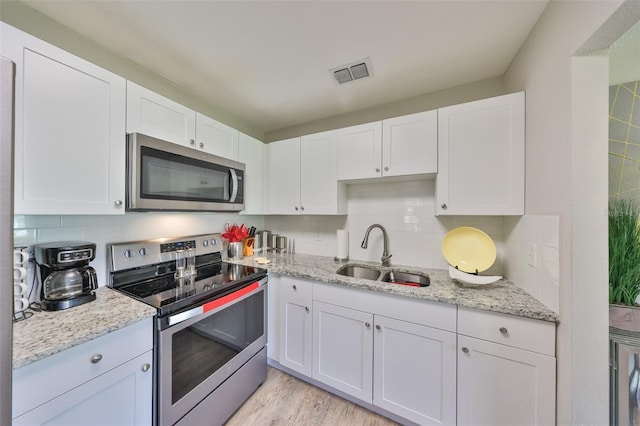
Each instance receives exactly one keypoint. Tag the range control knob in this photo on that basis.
(214, 243)
(205, 243)
(143, 251)
(128, 254)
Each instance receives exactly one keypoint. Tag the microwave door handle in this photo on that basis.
(234, 185)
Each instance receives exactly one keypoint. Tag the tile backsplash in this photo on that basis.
(102, 230)
(405, 209)
(540, 234)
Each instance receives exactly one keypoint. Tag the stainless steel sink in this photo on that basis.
(406, 278)
(359, 271)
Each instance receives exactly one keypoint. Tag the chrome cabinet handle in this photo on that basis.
(386, 168)
(145, 367)
(118, 203)
(201, 145)
(296, 207)
(377, 170)
(192, 141)
(294, 287)
(465, 349)
(306, 309)
(443, 206)
(504, 331)
(96, 358)
(378, 327)
(366, 324)
(301, 208)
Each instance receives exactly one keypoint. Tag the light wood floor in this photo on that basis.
(284, 400)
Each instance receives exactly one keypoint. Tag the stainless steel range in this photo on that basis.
(210, 333)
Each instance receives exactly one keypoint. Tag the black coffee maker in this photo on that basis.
(67, 279)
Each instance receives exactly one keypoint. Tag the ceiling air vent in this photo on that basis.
(353, 71)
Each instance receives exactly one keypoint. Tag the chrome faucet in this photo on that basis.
(385, 252)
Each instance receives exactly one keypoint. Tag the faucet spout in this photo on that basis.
(385, 252)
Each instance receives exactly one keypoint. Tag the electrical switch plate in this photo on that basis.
(532, 254)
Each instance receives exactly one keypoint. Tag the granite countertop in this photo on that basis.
(502, 296)
(47, 333)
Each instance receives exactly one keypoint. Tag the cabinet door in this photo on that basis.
(69, 130)
(283, 177)
(320, 192)
(503, 386)
(360, 151)
(296, 325)
(216, 138)
(481, 157)
(122, 396)
(252, 153)
(415, 371)
(410, 144)
(343, 349)
(154, 115)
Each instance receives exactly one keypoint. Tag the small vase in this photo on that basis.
(235, 250)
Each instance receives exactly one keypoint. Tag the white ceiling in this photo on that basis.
(267, 62)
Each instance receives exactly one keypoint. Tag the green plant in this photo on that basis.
(624, 252)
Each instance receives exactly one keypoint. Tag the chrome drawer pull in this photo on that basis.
(96, 358)
(378, 327)
(306, 308)
(366, 324)
(465, 349)
(504, 331)
(145, 367)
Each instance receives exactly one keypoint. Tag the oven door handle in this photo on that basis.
(216, 303)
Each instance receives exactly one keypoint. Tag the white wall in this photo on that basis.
(564, 98)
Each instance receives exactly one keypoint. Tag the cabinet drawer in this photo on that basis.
(37, 383)
(524, 333)
(424, 312)
(296, 290)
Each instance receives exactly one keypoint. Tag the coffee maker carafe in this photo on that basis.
(67, 279)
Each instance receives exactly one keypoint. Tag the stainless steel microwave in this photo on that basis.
(170, 177)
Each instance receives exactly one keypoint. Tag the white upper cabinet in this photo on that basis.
(283, 178)
(216, 138)
(481, 157)
(252, 153)
(302, 176)
(399, 146)
(160, 117)
(69, 130)
(410, 144)
(360, 151)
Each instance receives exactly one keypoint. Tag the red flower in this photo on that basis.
(235, 233)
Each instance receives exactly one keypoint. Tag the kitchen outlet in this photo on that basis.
(532, 254)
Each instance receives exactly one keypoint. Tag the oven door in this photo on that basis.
(200, 348)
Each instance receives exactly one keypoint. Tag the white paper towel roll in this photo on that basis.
(342, 244)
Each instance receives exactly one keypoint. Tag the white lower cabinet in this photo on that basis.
(426, 362)
(296, 324)
(414, 371)
(506, 371)
(108, 380)
(379, 350)
(121, 396)
(343, 349)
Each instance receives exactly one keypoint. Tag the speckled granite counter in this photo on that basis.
(502, 296)
(47, 333)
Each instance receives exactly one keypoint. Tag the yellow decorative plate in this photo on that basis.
(469, 249)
